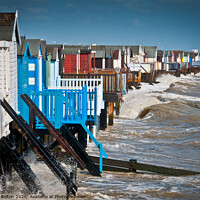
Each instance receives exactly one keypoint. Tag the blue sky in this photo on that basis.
(168, 24)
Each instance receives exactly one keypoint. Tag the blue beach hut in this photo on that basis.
(36, 64)
(23, 56)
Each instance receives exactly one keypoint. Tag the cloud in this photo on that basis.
(136, 22)
(72, 8)
(37, 10)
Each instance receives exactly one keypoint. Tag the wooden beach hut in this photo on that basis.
(23, 56)
(9, 38)
(52, 66)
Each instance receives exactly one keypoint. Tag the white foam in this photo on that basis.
(166, 80)
(136, 100)
(99, 196)
(174, 189)
(179, 180)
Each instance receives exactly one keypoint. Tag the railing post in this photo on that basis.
(47, 105)
(127, 71)
(43, 94)
(100, 158)
(84, 103)
(95, 105)
(58, 107)
(120, 86)
(58, 82)
(116, 80)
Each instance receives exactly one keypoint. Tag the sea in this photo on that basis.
(158, 124)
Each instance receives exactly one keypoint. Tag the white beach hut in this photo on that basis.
(9, 37)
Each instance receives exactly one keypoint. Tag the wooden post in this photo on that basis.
(103, 117)
(133, 78)
(31, 118)
(139, 75)
(82, 136)
(116, 79)
(94, 61)
(117, 107)
(127, 72)
(120, 82)
(3, 173)
(110, 113)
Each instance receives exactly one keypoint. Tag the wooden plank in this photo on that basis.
(165, 170)
(113, 162)
(121, 165)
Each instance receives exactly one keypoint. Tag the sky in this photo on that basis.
(167, 24)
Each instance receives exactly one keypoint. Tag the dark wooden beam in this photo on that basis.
(133, 165)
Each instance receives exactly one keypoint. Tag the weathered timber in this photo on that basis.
(103, 117)
(120, 165)
(165, 170)
(110, 113)
(117, 108)
(115, 165)
(112, 97)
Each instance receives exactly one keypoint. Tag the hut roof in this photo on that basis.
(34, 45)
(21, 48)
(52, 51)
(150, 51)
(9, 27)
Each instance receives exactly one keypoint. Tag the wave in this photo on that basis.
(133, 105)
(138, 103)
(167, 80)
(137, 100)
(184, 88)
(189, 111)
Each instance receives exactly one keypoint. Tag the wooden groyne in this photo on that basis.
(134, 166)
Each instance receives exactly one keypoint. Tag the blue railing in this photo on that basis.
(53, 105)
(92, 106)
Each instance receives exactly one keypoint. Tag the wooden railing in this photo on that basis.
(112, 82)
(54, 105)
(92, 85)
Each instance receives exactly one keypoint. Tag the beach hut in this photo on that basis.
(160, 60)
(137, 54)
(75, 59)
(52, 66)
(23, 56)
(151, 56)
(186, 61)
(36, 64)
(9, 38)
(98, 57)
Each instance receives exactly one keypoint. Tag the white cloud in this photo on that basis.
(136, 22)
(72, 7)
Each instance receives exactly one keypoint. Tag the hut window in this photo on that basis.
(31, 67)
